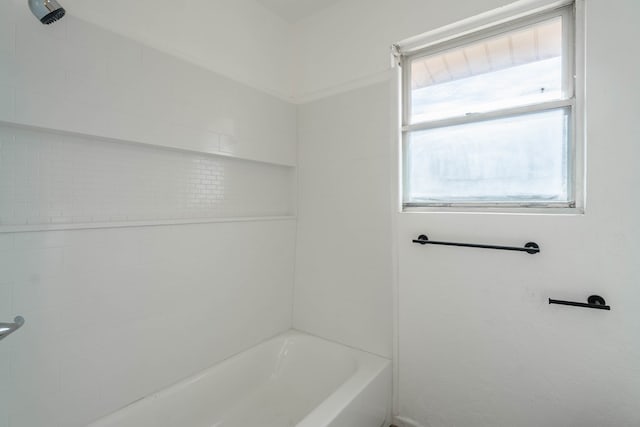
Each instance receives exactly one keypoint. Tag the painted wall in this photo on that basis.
(99, 130)
(478, 343)
(343, 273)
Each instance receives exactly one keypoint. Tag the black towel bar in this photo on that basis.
(530, 247)
(594, 301)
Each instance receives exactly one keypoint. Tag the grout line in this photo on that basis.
(296, 208)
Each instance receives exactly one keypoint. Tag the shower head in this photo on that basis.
(47, 11)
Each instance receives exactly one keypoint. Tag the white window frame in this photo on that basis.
(482, 27)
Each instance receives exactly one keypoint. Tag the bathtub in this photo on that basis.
(291, 380)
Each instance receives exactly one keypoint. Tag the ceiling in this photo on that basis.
(295, 10)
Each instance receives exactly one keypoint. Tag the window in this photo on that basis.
(489, 118)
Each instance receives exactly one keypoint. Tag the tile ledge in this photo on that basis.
(4, 229)
(148, 144)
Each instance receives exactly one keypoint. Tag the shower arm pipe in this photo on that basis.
(7, 329)
(529, 247)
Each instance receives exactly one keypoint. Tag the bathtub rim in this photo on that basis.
(368, 367)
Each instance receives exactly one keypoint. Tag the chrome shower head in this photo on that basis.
(47, 11)
(7, 329)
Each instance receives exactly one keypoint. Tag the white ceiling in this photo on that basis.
(295, 10)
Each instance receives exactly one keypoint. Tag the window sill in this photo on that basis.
(494, 210)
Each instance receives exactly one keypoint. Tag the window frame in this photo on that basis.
(570, 12)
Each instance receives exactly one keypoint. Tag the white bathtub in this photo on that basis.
(291, 380)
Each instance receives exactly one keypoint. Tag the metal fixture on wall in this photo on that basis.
(47, 11)
(530, 247)
(7, 329)
(594, 301)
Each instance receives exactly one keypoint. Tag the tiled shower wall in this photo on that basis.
(77, 77)
(50, 178)
(349, 302)
(115, 314)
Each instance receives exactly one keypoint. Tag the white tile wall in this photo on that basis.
(343, 262)
(113, 315)
(75, 76)
(240, 39)
(52, 179)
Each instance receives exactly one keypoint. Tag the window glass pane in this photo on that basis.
(521, 67)
(522, 158)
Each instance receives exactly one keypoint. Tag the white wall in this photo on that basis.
(478, 343)
(116, 313)
(343, 273)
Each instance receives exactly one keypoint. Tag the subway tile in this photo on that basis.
(99, 304)
(87, 34)
(50, 239)
(31, 265)
(7, 34)
(228, 144)
(7, 103)
(43, 107)
(52, 296)
(5, 389)
(80, 371)
(124, 66)
(34, 380)
(43, 411)
(6, 302)
(6, 242)
(8, 69)
(123, 71)
(56, 179)
(30, 49)
(163, 273)
(85, 63)
(7, 10)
